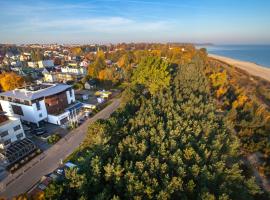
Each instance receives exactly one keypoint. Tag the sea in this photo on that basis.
(259, 54)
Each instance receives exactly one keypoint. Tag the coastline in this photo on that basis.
(251, 68)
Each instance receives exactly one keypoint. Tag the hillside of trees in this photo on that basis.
(244, 101)
(173, 138)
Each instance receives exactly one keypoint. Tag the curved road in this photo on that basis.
(23, 179)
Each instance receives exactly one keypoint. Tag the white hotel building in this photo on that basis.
(37, 103)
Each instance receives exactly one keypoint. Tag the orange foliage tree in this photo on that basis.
(102, 75)
(10, 81)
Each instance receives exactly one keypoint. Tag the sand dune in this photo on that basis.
(251, 68)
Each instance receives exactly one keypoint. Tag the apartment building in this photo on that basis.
(14, 146)
(60, 77)
(11, 130)
(40, 102)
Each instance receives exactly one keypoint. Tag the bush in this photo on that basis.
(54, 138)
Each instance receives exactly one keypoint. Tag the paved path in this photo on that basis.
(23, 179)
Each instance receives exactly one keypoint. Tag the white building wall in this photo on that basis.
(48, 77)
(74, 70)
(57, 119)
(9, 126)
(70, 96)
(30, 113)
(32, 64)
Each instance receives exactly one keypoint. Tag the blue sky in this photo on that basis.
(105, 21)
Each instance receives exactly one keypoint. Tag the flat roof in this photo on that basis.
(70, 165)
(46, 90)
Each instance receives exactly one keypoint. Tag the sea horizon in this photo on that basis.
(255, 53)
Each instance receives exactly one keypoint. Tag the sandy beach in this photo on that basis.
(251, 68)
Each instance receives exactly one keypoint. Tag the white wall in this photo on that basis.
(49, 77)
(55, 119)
(32, 64)
(70, 97)
(9, 126)
(74, 70)
(31, 114)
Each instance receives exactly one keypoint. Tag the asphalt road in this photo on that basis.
(49, 160)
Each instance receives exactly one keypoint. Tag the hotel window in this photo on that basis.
(70, 93)
(17, 110)
(4, 134)
(40, 115)
(19, 136)
(38, 105)
(7, 142)
(16, 128)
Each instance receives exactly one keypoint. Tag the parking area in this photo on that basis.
(39, 135)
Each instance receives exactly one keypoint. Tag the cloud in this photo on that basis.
(102, 24)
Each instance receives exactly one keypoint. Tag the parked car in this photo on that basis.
(39, 129)
(82, 120)
(60, 171)
(26, 128)
(54, 176)
(45, 136)
(40, 132)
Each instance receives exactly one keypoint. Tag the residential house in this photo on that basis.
(74, 70)
(84, 63)
(90, 84)
(25, 57)
(59, 77)
(45, 63)
(32, 64)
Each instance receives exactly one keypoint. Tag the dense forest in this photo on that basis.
(179, 134)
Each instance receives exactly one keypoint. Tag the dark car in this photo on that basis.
(40, 132)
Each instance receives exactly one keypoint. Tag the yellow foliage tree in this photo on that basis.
(100, 54)
(219, 79)
(10, 81)
(240, 101)
(102, 75)
(39, 196)
(76, 51)
(91, 70)
(221, 91)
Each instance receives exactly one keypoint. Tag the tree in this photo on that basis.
(98, 65)
(10, 81)
(153, 73)
(168, 145)
(77, 51)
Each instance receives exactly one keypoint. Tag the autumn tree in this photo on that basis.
(77, 51)
(98, 65)
(10, 81)
(153, 73)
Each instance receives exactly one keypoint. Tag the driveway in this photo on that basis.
(23, 179)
